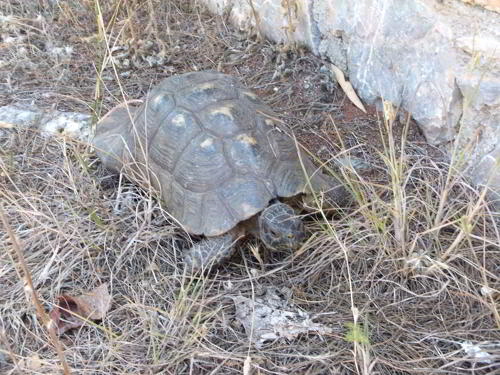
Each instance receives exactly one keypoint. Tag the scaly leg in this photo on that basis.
(210, 251)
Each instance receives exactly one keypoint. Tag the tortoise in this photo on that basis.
(220, 159)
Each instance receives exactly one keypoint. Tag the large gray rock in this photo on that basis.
(438, 60)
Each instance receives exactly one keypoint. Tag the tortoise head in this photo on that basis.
(112, 136)
(280, 228)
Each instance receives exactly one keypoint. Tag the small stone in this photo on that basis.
(487, 291)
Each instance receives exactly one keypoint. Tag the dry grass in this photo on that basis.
(408, 263)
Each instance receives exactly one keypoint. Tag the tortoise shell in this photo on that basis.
(210, 146)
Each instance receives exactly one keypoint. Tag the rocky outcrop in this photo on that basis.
(438, 60)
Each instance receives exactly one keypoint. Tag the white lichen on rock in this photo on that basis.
(49, 122)
(271, 317)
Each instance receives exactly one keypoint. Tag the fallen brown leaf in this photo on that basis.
(347, 87)
(71, 312)
(6, 125)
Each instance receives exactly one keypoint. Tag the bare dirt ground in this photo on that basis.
(404, 279)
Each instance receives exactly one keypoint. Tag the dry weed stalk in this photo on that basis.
(30, 291)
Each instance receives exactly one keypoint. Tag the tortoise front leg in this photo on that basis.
(336, 193)
(210, 251)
